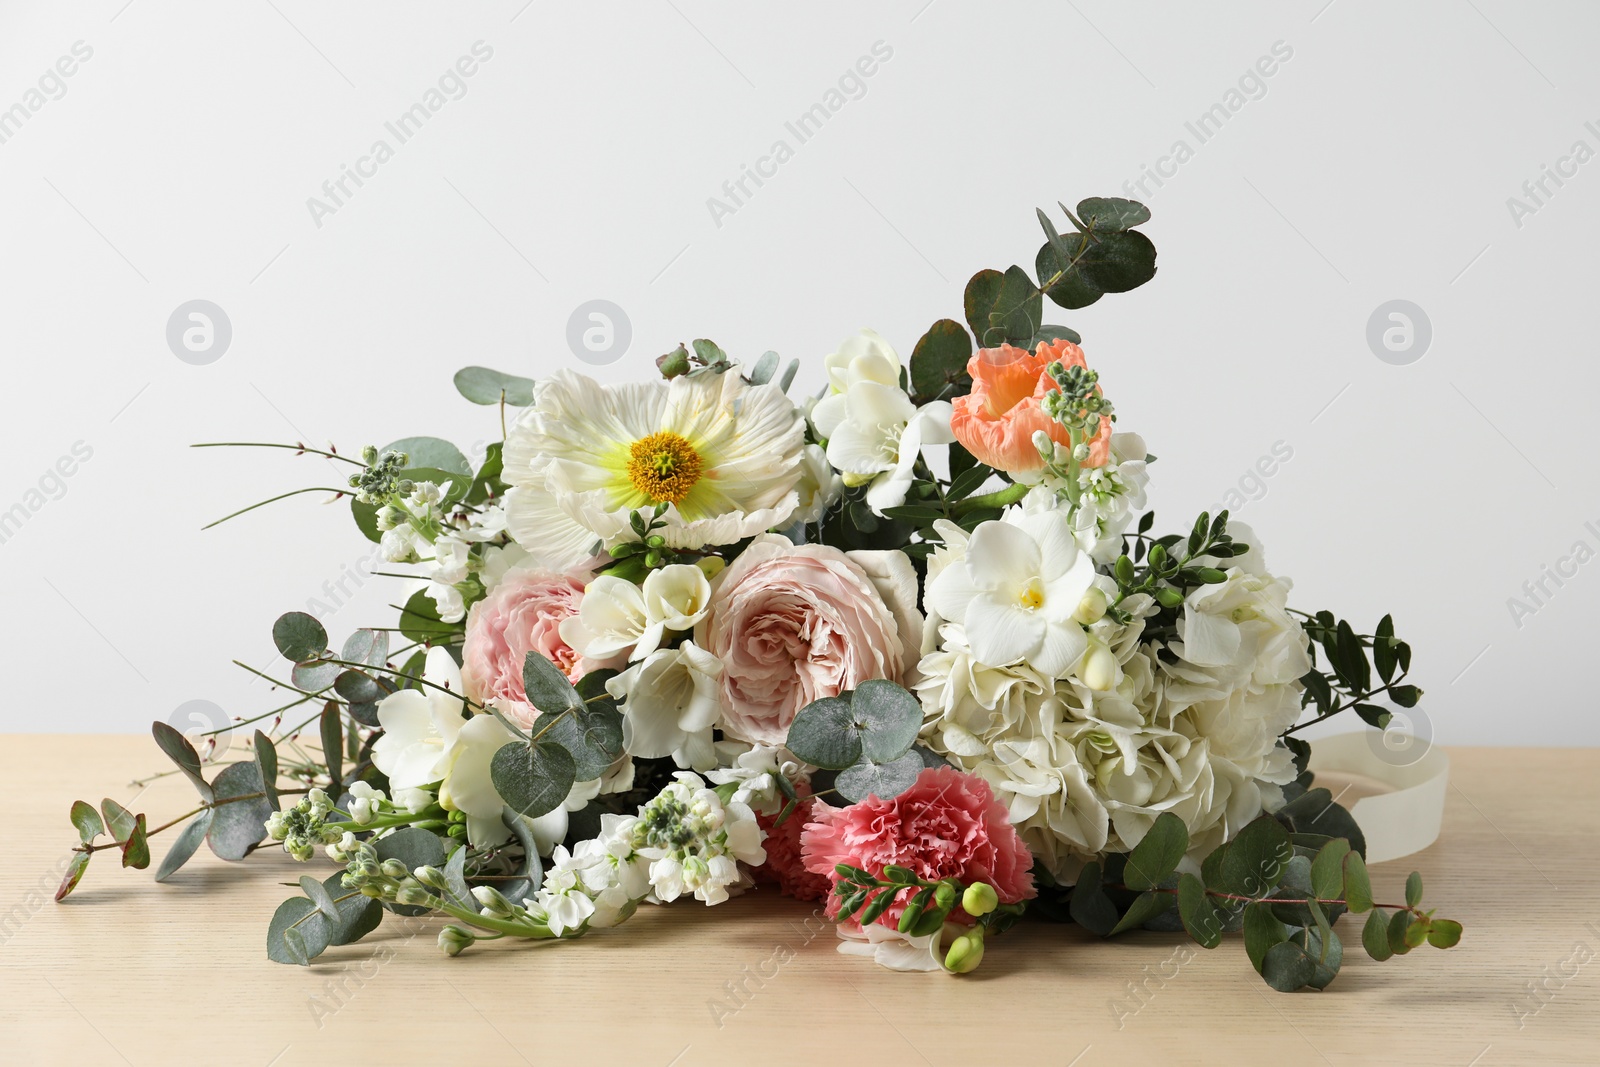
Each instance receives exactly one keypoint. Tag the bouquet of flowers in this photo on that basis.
(910, 648)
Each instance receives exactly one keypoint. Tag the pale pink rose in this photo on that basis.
(792, 624)
(947, 825)
(521, 614)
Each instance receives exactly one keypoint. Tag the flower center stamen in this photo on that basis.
(1032, 595)
(664, 466)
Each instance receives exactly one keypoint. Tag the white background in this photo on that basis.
(1376, 165)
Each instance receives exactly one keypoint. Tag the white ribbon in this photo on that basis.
(1405, 819)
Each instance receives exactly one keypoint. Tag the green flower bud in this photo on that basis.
(945, 896)
(966, 952)
(979, 900)
(393, 868)
(413, 895)
(432, 877)
(493, 901)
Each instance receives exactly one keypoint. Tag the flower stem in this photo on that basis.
(997, 499)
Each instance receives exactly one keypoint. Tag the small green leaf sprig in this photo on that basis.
(1356, 663)
(1285, 890)
(865, 897)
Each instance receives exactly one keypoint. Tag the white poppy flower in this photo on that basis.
(724, 456)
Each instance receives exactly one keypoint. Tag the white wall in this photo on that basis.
(1376, 166)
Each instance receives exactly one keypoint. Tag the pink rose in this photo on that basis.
(520, 615)
(947, 825)
(792, 624)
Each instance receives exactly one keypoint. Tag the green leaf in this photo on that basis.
(1373, 715)
(1211, 868)
(1061, 279)
(883, 780)
(547, 688)
(533, 779)
(1157, 854)
(708, 351)
(455, 879)
(591, 735)
(1118, 262)
(1112, 214)
(764, 369)
(267, 764)
(488, 482)
(824, 734)
(74, 875)
(366, 518)
(1417, 932)
(333, 744)
(1198, 912)
(1399, 926)
(87, 821)
(1314, 812)
(1262, 930)
(1405, 695)
(1286, 967)
(299, 637)
(484, 386)
(967, 482)
(1050, 334)
(889, 718)
(184, 846)
(1383, 650)
(238, 825)
(432, 452)
(1357, 886)
(1254, 863)
(315, 676)
(299, 944)
(1327, 870)
(1145, 906)
(319, 896)
(1375, 935)
(136, 850)
(1414, 888)
(182, 753)
(939, 362)
(119, 820)
(419, 620)
(1090, 907)
(367, 646)
(1444, 933)
(358, 687)
(1003, 308)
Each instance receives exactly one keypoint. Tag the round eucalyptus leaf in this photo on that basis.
(888, 717)
(431, 452)
(824, 734)
(315, 676)
(591, 734)
(299, 637)
(546, 687)
(533, 779)
(298, 933)
(184, 846)
(1108, 214)
(882, 780)
(358, 687)
(484, 386)
(367, 646)
(240, 824)
(1286, 967)
(1119, 262)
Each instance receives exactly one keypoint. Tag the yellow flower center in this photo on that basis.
(1032, 595)
(664, 466)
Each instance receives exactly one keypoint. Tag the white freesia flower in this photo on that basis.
(1016, 590)
(420, 725)
(756, 770)
(874, 432)
(618, 616)
(819, 488)
(364, 801)
(723, 454)
(670, 705)
(450, 555)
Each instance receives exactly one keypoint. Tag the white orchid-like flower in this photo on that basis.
(722, 454)
(1017, 591)
(820, 486)
(618, 616)
(874, 432)
(670, 705)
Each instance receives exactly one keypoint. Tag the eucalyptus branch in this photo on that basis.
(298, 448)
(274, 499)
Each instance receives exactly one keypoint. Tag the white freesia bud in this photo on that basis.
(1041, 441)
(1092, 608)
(1098, 670)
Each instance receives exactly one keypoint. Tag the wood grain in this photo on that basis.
(131, 972)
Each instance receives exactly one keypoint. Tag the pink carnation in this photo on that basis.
(947, 825)
(520, 615)
(785, 866)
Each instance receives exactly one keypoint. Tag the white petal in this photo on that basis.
(1001, 556)
(1001, 633)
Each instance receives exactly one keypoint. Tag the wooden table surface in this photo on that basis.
(131, 972)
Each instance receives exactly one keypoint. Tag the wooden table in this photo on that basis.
(131, 972)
